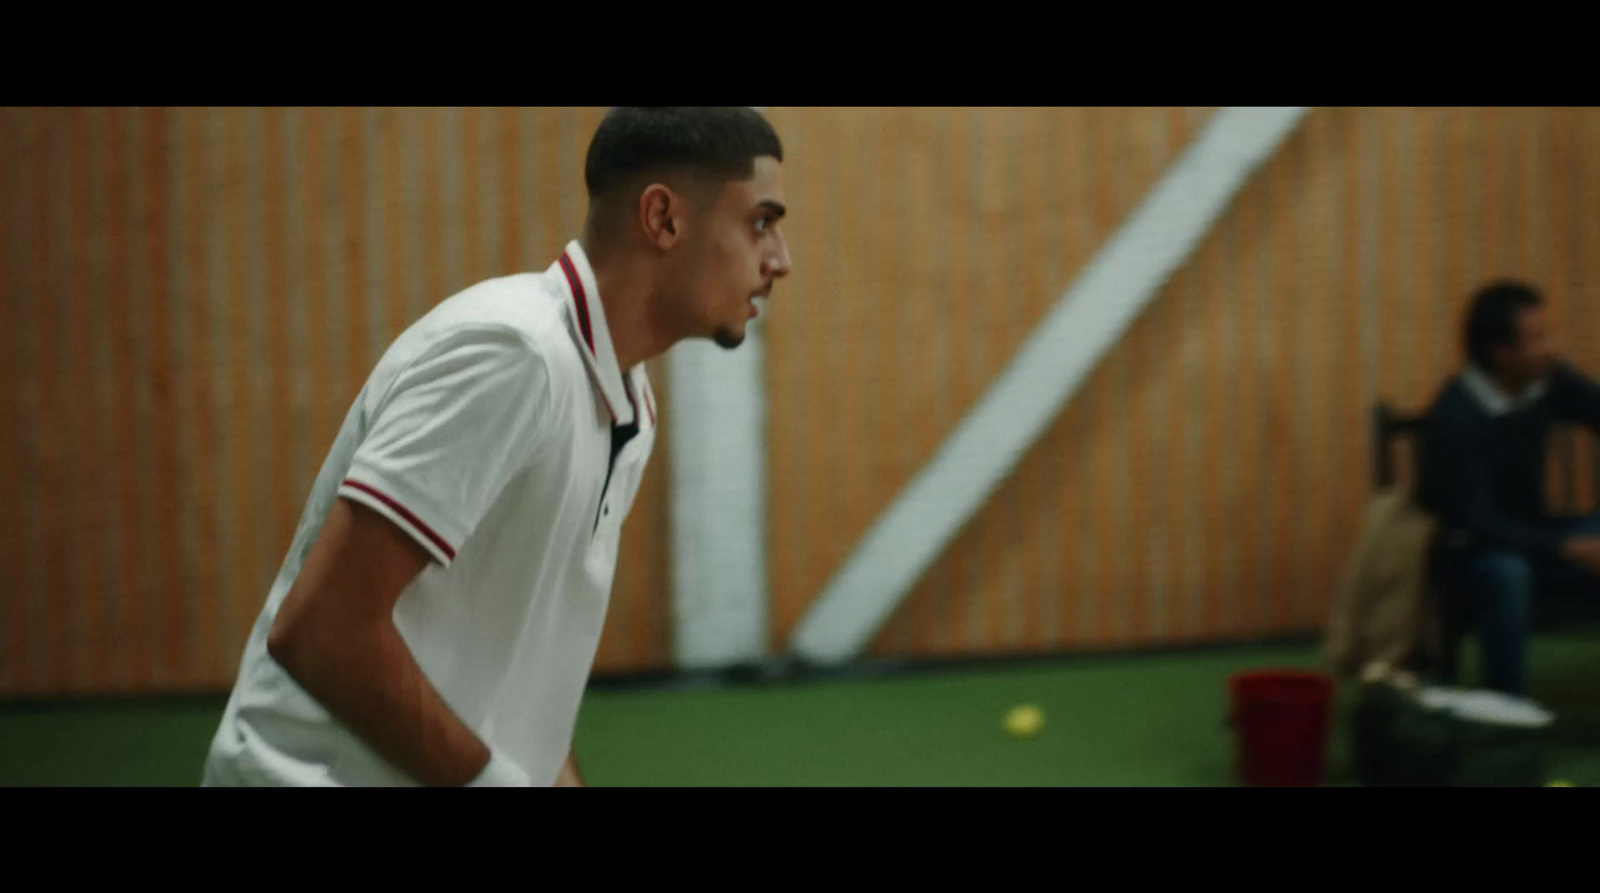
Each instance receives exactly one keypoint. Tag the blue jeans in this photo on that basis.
(1505, 585)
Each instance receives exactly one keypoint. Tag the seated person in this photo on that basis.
(1481, 472)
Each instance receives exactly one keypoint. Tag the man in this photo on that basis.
(437, 616)
(1481, 472)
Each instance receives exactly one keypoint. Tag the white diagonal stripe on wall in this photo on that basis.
(1156, 239)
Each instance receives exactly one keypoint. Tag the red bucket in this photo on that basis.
(1281, 718)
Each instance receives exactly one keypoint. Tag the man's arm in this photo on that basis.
(335, 635)
(1575, 397)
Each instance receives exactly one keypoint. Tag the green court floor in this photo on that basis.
(1150, 720)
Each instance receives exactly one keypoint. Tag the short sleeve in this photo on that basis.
(455, 425)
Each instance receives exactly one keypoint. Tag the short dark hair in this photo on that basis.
(720, 142)
(1492, 318)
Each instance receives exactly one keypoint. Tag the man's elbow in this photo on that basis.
(319, 643)
(282, 642)
(291, 640)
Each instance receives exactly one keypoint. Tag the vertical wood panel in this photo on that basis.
(14, 324)
(80, 471)
(124, 331)
(1035, 541)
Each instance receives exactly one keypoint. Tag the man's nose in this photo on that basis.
(778, 263)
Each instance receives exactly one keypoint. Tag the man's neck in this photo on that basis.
(1510, 386)
(627, 297)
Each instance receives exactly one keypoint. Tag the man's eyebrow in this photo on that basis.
(776, 208)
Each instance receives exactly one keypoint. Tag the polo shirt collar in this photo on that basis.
(1493, 399)
(586, 321)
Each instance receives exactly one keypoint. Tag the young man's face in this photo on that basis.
(1530, 358)
(738, 252)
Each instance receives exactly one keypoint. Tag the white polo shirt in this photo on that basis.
(485, 433)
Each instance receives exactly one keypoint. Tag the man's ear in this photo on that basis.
(661, 215)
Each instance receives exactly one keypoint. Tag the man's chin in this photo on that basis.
(728, 339)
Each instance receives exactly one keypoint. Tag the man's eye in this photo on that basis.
(761, 225)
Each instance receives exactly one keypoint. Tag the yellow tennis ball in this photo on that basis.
(1559, 783)
(1024, 721)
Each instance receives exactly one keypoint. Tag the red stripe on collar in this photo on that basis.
(579, 299)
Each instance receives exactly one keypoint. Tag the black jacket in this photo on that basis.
(1485, 475)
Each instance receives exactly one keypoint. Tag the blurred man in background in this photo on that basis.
(1482, 473)
(437, 616)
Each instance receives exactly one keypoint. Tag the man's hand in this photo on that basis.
(569, 777)
(1583, 551)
